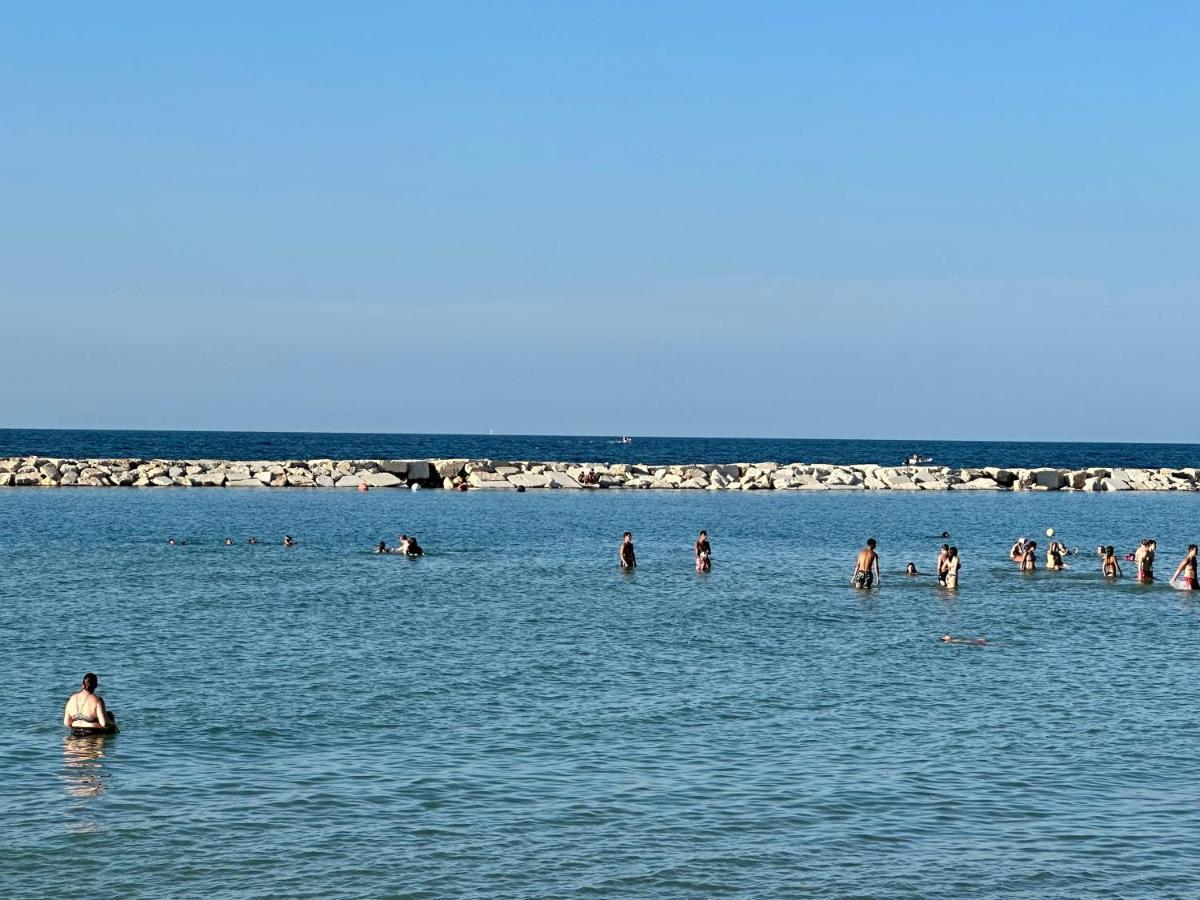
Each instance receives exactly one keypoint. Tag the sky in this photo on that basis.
(958, 220)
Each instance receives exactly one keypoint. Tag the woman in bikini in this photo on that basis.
(1109, 566)
(85, 710)
(1029, 559)
(1188, 569)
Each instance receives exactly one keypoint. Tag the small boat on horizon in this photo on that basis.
(626, 439)
(916, 459)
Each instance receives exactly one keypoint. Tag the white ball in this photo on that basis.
(1049, 532)
(416, 487)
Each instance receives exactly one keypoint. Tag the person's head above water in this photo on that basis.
(910, 569)
(703, 535)
(628, 536)
(871, 543)
(945, 534)
(90, 681)
(952, 552)
(945, 547)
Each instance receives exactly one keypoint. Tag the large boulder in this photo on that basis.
(530, 480)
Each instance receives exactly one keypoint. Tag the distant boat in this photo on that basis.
(626, 439)
(916, 459)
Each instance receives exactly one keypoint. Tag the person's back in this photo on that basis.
(866, 566)
(85, 709)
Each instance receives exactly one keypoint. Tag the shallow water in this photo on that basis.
(513, 717)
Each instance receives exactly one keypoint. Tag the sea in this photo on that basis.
(513, 716)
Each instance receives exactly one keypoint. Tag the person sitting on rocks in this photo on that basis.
(85, 709)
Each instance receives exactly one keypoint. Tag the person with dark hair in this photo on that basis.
(940, 568)
(703, 553)
(1029, 557)
(288, 541)
(1109, 566)
(866, 567)
(412, 549)
(911, 569)
(627, 555)
(1188, 569)
(950, 569)
(1143, 559)
(85, 710)
(382, 548)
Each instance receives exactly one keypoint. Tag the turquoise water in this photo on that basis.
(512, 717)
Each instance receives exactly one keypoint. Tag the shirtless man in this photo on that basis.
(1143, 560)
(943, 554)
(1187, 569)
(703, 553)
(85, 709)
(866, 567)
(628, 557)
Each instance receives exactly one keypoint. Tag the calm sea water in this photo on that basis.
(656, 450)
(513, 717)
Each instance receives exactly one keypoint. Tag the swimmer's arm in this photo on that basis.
(100, 713)
(875, 566)
(67, 717)
(1178, 569)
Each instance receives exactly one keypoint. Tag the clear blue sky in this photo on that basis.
(941, 220)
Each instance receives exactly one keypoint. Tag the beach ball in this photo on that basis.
(1049, 532)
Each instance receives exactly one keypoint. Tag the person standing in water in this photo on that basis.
(703, 553)
(85, 708)
(1143, 559)
(1029, 557)
(940, 568)
(866, 567)
(1109, 566)
(1188, 569)
(627, 556)
(950, 569)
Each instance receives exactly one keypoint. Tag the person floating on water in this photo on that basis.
(85, 710)
(952, 639)
(412, 549)
(911, 569)
(866, 567)
(228, 542)
(287, 541)
(252, 540)
(1109, 566)
(1187, 568)
(170, 542)
(626, 554)
(950, 569)
(382, 548)
(703, 553)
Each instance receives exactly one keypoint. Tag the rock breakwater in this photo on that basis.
(486, 474)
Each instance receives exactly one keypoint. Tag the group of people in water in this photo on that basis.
(1024, 554)
(627, 556)
(408, 546)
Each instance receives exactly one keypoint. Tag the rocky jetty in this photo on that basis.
(487, 474)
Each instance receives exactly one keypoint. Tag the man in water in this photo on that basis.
(866, 567)
(951, 639)
(287, 541)
(628, 557)
(412, 549)
(941, 563)
(1143, 560)
(85, 708)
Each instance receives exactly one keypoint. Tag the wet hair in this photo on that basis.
(627, 534)
(953, 551)
(1108, 551)
(911, 568)
(945, 534)
(945, 546)
(1192, 548)
(871, 543)
(90, 681)
(703, 534)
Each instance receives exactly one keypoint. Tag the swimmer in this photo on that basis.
(1054, 557)
(911, 569)
(626, 554)
(945, 535)
(1109, 567)
(951, 639)
(866, 567)
(402, 547)
(287, 541)
(1188, 569)
(382, 548)
(85, 709)
(412, 550)
(1029, 557)
(252, 540)
(1017, 553)
(940, 568)
(1143, 559)
(228, 542)
(703, 553)
(950, 569)
(363, 486)
(170, 542)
